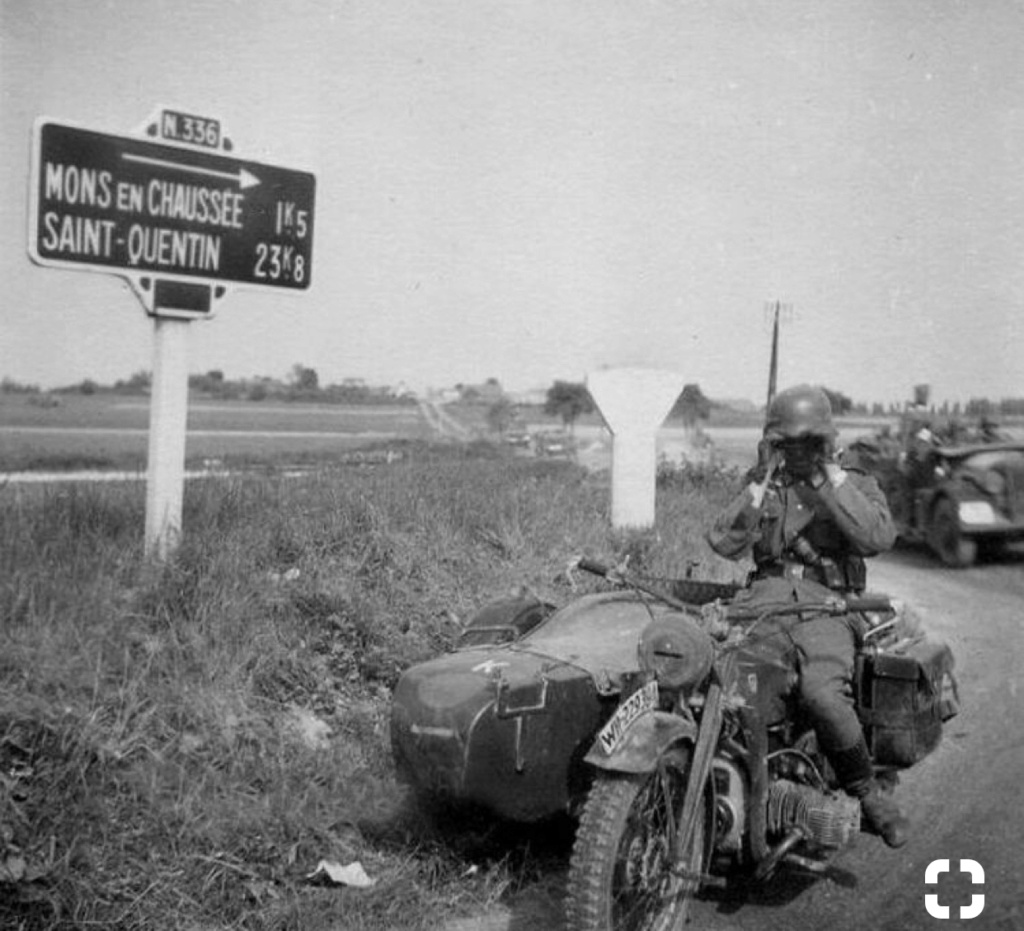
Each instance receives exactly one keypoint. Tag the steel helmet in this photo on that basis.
(796, 413)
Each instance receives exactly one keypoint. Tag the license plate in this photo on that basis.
(640, 702)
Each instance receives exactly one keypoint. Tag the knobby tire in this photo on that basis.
(618, 876)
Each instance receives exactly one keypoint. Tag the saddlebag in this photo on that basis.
(902, 699)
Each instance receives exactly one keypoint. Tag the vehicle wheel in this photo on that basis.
(948, 541)
(620, 876)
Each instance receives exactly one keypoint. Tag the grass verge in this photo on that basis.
(180, 746)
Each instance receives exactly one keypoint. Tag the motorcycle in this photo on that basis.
(706, 770)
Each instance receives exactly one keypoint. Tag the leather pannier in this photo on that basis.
(903, 698)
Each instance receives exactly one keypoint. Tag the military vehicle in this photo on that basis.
(957, 489)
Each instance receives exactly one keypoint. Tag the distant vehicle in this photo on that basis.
(518, 439)
(953, 498)
(555, 446)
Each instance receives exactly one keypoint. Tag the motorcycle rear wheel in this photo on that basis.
(620, 876)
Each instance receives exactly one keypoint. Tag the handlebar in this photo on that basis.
(869, 604)
(614, 574)
(834, 605)
(594, 567)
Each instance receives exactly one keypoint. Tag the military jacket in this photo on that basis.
(851, 519)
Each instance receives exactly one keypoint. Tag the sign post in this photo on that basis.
(168, 412)
(182, 220)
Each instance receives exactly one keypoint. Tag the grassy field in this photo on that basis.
(111, 431)
(180, 746)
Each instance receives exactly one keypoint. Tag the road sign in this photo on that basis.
(170, 213)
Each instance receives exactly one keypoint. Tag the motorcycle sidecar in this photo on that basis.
(505, 723)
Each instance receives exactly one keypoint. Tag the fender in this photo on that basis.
(642, 743)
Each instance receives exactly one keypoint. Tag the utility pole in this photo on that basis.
(773, 367)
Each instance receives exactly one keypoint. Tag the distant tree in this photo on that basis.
(691, 406)
(304, 379)
(10, 386)
(568, 400)
(88, 386)
(978, 407)
(139, 383)
(257, 392)
(500, 415)
(214, 383)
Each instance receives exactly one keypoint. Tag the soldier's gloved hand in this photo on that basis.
(766, 461)
(827, 467)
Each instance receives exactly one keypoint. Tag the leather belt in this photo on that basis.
(829, 574)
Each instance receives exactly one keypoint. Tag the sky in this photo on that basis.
(532, 190)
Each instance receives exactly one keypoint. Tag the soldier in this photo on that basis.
(989, 431)
(808, 523)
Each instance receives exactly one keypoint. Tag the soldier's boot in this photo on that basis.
(879, 812)
(883, 817)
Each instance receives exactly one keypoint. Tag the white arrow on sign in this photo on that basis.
(244, 178)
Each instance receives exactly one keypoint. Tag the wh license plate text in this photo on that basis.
(641, 701)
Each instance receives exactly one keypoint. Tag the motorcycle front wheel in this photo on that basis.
(621, 876)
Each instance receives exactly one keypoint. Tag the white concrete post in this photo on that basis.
(634, 403)
(168, 413)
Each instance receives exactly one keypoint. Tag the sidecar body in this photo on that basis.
(504, 721)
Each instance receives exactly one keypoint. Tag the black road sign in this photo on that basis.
(147, 209)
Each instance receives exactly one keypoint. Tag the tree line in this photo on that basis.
(569, 401)
(302, 383)
(565, 400)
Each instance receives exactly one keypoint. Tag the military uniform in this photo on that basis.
(806, 543)
(821, 534)
(808, 521)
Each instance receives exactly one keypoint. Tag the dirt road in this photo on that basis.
(965, 800)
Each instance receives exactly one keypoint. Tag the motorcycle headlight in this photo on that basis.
(677, 651)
